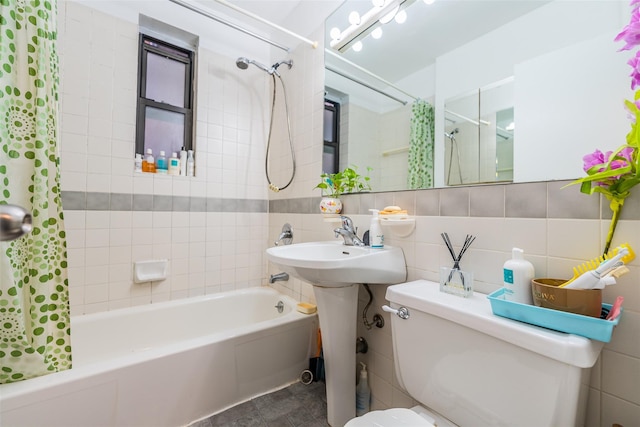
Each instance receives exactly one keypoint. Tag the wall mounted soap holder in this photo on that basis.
(150, 271)
(401, 227)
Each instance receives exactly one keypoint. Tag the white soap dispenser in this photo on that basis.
(376, 237)
(518, 273)
(363, 393)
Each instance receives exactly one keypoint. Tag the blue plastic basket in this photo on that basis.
(589, 327)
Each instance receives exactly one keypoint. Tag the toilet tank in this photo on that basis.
(456, 357)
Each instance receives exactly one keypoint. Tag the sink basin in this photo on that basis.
(332, 264)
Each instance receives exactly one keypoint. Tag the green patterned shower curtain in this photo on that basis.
(421, 146)
(34, 303)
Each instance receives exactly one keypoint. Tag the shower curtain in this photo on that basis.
(34, 303)
(421, 146)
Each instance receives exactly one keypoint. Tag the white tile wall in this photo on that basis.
(208, 251)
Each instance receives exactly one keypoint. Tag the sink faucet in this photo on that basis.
(348, 232)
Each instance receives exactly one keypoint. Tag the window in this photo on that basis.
(165, 97)
(330, 152)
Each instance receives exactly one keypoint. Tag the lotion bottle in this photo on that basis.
(518, 273)
(363, 393)
(183, 162)
(174, 164)
(190, 163)
(376, 237)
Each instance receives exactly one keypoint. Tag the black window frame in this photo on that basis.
(149, 44)
(334, 106)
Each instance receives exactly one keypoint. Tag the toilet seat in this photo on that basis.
(394, 417)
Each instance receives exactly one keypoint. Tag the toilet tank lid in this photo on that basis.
(475, 312)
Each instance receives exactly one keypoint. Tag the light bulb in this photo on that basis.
(357, 46)
(401, 17)
(428, 2)
(389, 16)
(335, 33)
(354, 18)
(377, 33)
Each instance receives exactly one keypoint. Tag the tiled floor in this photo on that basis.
(298, 405)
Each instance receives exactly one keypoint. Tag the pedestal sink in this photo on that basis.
(335, 270)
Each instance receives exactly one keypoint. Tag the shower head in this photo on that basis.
(243, 64)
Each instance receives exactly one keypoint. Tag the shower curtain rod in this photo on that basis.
(312, 43)
(209, 14)
(369, 73)
(368, 86)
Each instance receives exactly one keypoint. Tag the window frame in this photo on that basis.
(334, 106)
(162, 48)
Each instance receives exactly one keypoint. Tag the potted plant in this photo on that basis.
(333, 185)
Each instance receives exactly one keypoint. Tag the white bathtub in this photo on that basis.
(168, 364)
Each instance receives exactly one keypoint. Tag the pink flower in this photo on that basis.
(598, 158)
(631, 33)
(635, 70)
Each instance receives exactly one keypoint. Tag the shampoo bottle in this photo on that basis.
(518, 273)
(138, 163)
(376, 238)
(363, 393)
(149, 164)
(174, 164)
(183, 162)
(190, 163)
(161, 164)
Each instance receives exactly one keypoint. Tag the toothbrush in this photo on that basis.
(615, 309)
(592, 278)
(596, 262)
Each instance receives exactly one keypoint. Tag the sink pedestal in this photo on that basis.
(338, 313)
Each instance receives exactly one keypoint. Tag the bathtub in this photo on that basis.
(168, 364)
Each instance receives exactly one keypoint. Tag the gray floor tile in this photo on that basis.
(298, 405)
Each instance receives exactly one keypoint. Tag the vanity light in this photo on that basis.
(389, 16)
(335, 33)
(354, 18)
(357, 46)
(511, 126)
(382, 12)
(377, 33)
(401, 17)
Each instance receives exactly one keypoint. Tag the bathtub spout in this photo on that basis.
(278, 277)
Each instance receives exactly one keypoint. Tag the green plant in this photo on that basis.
(346, 181)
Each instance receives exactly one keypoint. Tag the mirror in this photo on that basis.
(566, 79)
(479, 136)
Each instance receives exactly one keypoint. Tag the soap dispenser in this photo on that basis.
(518, 273)
(363, 393)
(376, 237)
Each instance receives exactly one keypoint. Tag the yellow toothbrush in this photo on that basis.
(596, 262)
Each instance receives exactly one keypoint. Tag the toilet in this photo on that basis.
(469, 367)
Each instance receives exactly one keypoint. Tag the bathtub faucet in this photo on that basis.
(348, 232)
(278, 277)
